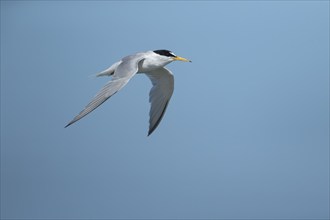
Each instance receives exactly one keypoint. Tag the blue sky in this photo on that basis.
(246, 134)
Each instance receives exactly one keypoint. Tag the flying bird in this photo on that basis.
(152, 63)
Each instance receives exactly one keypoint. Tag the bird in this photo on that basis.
(152, 63)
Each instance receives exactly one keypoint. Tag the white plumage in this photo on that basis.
(152, 64)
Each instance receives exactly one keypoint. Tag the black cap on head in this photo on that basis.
(166, 53)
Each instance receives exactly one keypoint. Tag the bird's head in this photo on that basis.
(170, 55)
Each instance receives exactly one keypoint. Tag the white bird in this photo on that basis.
(152, 64)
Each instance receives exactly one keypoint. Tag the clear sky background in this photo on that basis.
(246, 134)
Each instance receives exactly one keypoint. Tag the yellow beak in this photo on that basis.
(181, 59)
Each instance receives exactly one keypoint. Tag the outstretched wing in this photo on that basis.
(123, 73)
(159, 96)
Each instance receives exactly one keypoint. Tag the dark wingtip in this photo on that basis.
(70, 123)
(151, 130)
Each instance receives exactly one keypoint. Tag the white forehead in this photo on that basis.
(172, 53)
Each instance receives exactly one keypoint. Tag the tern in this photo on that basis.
(151, 63)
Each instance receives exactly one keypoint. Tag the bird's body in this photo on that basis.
(152, 64)
(149, 62)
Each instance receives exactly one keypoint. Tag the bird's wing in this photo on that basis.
(159, 96)
(123, 73)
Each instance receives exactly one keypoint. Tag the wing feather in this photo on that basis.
(160, 94)
(122, 74)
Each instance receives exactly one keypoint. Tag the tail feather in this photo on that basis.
(110, 71)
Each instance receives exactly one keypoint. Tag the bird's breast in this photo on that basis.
(148, 65)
